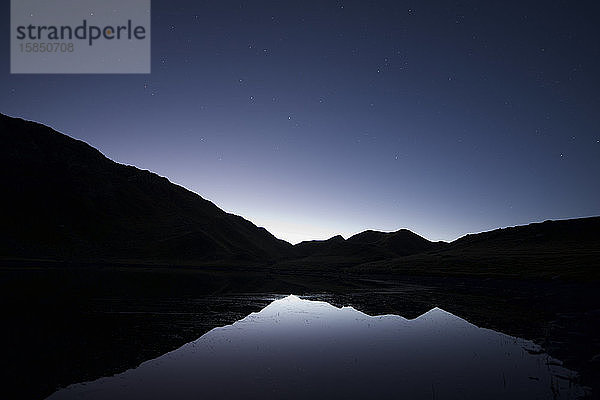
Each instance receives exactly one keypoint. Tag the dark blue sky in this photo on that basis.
(326, 117)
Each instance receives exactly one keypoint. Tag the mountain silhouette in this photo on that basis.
(64, 200)
(365, 246)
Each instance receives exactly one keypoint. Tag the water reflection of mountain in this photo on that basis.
(296, 348)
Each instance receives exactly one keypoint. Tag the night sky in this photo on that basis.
(328, 117)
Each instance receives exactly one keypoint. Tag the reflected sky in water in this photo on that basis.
(296, 348)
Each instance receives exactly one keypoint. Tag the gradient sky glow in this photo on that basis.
(330, 117)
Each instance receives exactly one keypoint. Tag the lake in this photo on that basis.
(302, 348)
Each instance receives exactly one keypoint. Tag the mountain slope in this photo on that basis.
(65, 200)
(563, 234)
(550, 249)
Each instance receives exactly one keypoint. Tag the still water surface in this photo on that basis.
(298, 348)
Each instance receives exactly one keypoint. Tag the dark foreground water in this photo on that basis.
(298, 348)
